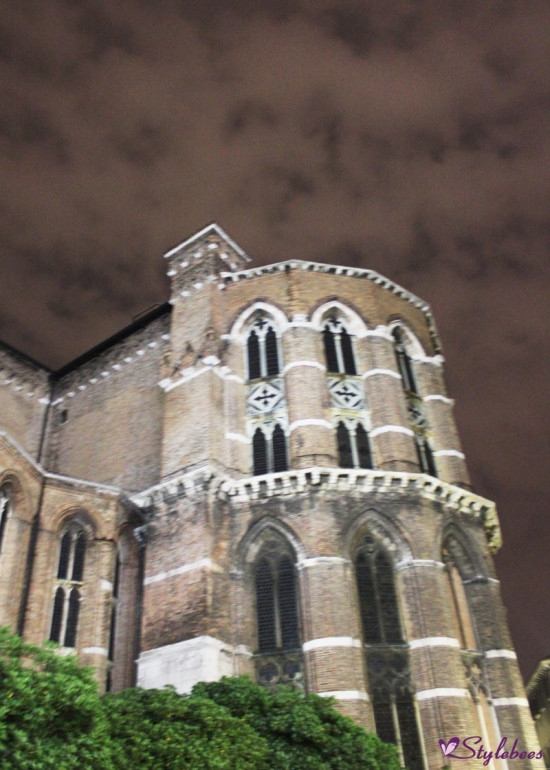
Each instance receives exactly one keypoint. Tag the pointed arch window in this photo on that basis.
(404, 363)
(419, 424)
(459, 568)
(390, 685)
(262, 350)
(339, 355)
(69, 579)
(5, 511)
(276, 606)
(278, 659)
(426, 459)
(269, 449)
(353, 445)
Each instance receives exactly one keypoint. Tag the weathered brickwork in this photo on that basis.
(146, 448)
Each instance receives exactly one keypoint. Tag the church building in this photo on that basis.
(263, 476)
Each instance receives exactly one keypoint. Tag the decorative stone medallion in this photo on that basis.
(265, 397)
(346, 393)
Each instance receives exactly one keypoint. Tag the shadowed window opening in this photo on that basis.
(269, 450)
(253, 349)
(70, 571)
(338, 349)
(425, 456)
(276, 605)
(4, 513)
(353, 446)
(386, 656)
(363, 447)
(57, 615)
(72, 619)
(404, 363)
(262, 351)
(345, 457)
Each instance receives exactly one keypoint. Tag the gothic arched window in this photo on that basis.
(338, 345)
(69, 578)
(419, 424)
(425, 455)
(404, 363)
(5, 504)
(262, 350)
(269, 449)
(386, 656)
(353, 446)
(279, 651)
(460, 568)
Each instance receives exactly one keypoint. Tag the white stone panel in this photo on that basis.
(203, 659)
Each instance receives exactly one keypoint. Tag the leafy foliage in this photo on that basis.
(51, 717)
(49, 709)
(302, 732)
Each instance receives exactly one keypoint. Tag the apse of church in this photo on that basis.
(263, 476)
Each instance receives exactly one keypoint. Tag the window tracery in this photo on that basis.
(415, 406)
(386, 653)
(279, 652)
(69, 580)
(266, 403)
(353, 445)
(339, 355)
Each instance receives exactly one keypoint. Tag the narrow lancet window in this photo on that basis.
(386, 657)
(262, 351)
(269, 450)
(338, 349)
(69, 576)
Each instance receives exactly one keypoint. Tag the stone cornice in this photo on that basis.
(339, 480)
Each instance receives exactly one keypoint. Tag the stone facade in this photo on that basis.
(263, 476)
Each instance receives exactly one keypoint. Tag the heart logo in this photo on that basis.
(448, 748)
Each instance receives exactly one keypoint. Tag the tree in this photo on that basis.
(156, 729)
(52, 718)
(301, 731)
(49, 710)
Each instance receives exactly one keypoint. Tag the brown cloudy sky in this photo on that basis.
(408, 136)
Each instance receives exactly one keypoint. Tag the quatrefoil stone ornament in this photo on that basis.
(265, 397)
(345, 393)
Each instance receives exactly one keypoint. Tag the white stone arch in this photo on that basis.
(374, 523)
(254, 540)
(411, 342)
(353, 322)
(468, 559)
(241, 326)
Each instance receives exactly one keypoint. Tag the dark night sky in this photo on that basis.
(407, 136)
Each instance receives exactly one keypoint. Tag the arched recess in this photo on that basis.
(410, 341)
(268, 557)
(466, 572)
(339, 325)
(375, 551)
(406, 349)
(337, 309)
(384, 530)
(123, 646)
(240, 327)
(465, 569)
(75, 534)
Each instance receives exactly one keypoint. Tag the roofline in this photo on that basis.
(212, 227)
(326, 267)
(135, 326)
(28, 359)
